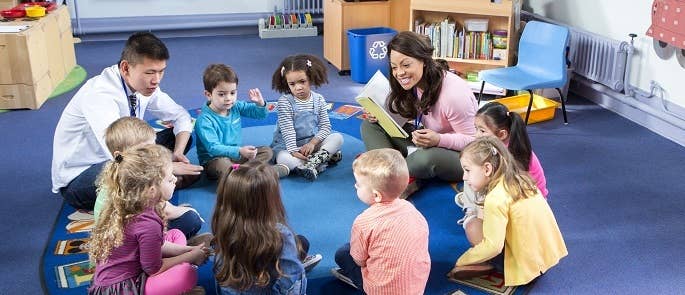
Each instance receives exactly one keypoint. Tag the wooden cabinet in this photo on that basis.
(340, 16)
(500, 16)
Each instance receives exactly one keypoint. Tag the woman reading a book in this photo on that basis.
(439, 106)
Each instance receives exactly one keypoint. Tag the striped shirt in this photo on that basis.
(390, 243)
(286, 114)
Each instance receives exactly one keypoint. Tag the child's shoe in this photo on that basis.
(320, 157)
(412, 187)
(282, 170)
(335, 158)
(311, 261)
(308, 171)
(459, 199)
(470, 271)
(340, 275)
(81, 214)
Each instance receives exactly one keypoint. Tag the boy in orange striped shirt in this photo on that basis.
(388, 249)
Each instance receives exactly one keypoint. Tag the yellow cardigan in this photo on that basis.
(526, 229)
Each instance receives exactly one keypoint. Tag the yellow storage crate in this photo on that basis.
(542, 110)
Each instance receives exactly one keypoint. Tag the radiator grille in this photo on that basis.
(302, 6)
(592, 56)
(598, 58)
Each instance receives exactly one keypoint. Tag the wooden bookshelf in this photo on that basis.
(500, 16)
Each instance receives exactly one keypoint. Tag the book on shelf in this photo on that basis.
(373, 98)
(449, 40)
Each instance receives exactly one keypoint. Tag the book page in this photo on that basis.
(373, 98)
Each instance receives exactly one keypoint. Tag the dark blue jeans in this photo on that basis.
(167, 139)
(80, 192)
(348, 266)
(189, 223)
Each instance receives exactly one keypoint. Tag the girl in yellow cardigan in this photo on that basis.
(516, 218)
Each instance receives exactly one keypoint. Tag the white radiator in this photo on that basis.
(592, 56)
(302, 6)
(598, 58)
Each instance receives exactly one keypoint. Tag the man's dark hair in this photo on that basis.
(141, 45)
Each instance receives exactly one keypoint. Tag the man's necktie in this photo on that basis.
(132, 103)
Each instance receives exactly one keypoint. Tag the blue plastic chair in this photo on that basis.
(541, 63)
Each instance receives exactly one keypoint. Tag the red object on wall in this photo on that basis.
(668, 22)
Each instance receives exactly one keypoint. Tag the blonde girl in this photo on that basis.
(126, 244)
(256, 252)
(516, 218)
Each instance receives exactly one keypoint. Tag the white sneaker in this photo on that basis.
(311, 261)
(337, 273)
(459, 199)
(81, 215)
(282, 170)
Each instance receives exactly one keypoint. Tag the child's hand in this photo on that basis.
(248, 152)
(199, 254)
(369, 117)
(180, 157)
(256, 97)
(307, 149)
(425, 138)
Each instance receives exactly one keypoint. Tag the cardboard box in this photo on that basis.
(21, 96)
(43, 51)
(24, 56)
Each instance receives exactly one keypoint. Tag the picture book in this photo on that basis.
(75, 246)
(344, 112)
(79, 226)
(373, 99)
(492, 283)
(75, 274)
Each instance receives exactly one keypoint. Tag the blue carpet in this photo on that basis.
(322, 210)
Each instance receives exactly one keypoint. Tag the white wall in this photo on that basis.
(132, 8)
(616, 19)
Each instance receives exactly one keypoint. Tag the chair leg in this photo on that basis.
(530, 104)
(563, 105)
(480, 94)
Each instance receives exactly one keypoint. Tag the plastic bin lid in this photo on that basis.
(371, 31)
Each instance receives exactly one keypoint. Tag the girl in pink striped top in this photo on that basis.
(126, 244)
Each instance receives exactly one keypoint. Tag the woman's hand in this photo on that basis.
(369, 117)
(307, 149)
(256, 97)
(425, 138)
(248, 152)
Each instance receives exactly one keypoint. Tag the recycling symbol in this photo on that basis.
(378, 50)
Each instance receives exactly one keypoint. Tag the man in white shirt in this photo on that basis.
(129, 88)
